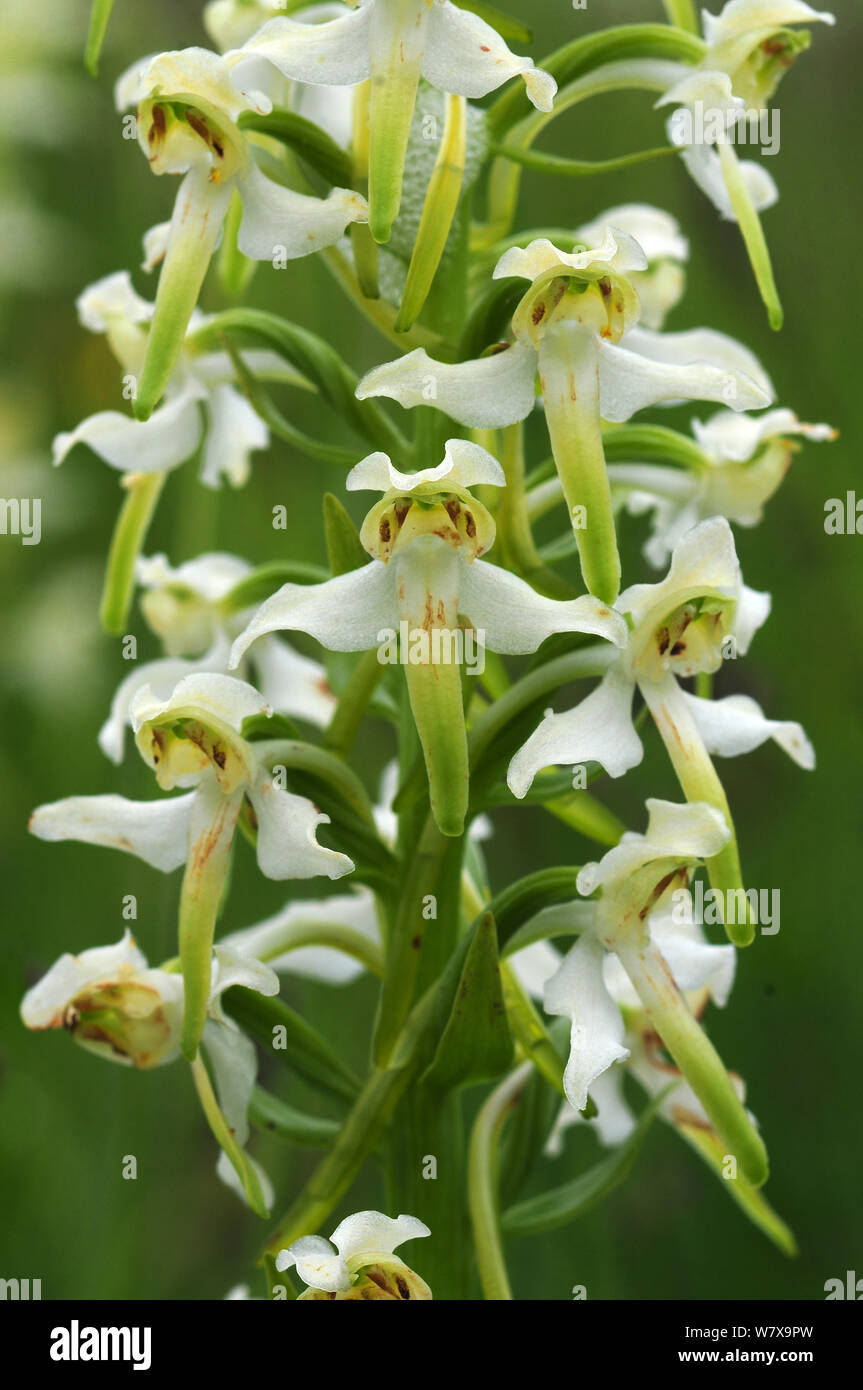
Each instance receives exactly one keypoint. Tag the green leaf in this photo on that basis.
(100, 14)
(552, 1209)
(591, 51)
(489, 320)
(345, 550)
(296, 1043)
(313, 145)
(562, 167)
(476, 1044)
(526, 1135)
(271, 1115)
(313, 358)
(254, 588)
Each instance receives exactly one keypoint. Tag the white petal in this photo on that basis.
(515, 618)
(616, 250)
(317, 1264)
(656, 231)
(485, 394)
(737, 724)
(753, 610)
(287, 847)
(373, 1233)
(464, 464)
(155, 245)
(630, 381)
(278, 221)
(224, 697)
(212, 575)
(683, 833)
(355, 909)
(613, 1123)
(230, 1177)
(232, 966)
(693, 961)
(704, 167)
(161, 676)
(167, 439)
(186, 73)
(726, 436)
(346, 613)
(335, 54)
(44, 1004)
(154, 831)
(743, 24)
(701, 345)
(578, 992)
(293, 684)
(235, 1068)
(534, 967)
(599, 729)
(112, 297)
(466, 56)
(235, 430)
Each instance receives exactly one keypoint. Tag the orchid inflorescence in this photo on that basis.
(357, 133)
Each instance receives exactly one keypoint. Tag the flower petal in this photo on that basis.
(317, 1264)
(615, 249)
(167, 439)
(613, 1123)
(224, 697)
(655, 231)
(346, 613)
(464, 55)
(737, 724)
(647, 368)
(373, 1233)
(44, 1004)
(599, 729)
(278, 221)
(235, 431)
(232, 966)
(355, 909)
(235, 1067)
(704, 167)
(154, 831)
(293, 684)
(287, 847)
(704, 562)
(334, 54)
(464, 464)
(485, 394)
(161, 677)
(680, 833)
(514, 618)
(577, 991)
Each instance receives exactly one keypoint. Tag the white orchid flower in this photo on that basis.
(202, 407)
(660, 286)
(278, 939)
(113, 1004)
(367, 1239)
(635, 879)
(745, 458)
(425, 592)
(189, 105)
(183, 606)
(688, 622)
(577, 327)
(749, 47)
(392, 44)
(193, 739)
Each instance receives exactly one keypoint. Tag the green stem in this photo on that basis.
(513, 522)
(483, 1161)
(142, 494)
(224, 1136)
(344, 726)
(682, 13)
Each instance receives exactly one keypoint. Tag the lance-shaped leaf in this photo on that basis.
(476, 1044)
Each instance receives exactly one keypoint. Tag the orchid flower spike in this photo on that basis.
(635, 879)
(358, 1260)
(185, 607)
(193, 739)
(660, 286)
(576, 326)
(700, 614)
(392, 44)
(745, 458)
(749, 48)
(113, 1004)
(430, 603)
(189, 109)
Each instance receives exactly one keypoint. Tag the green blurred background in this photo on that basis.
(76, 199)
